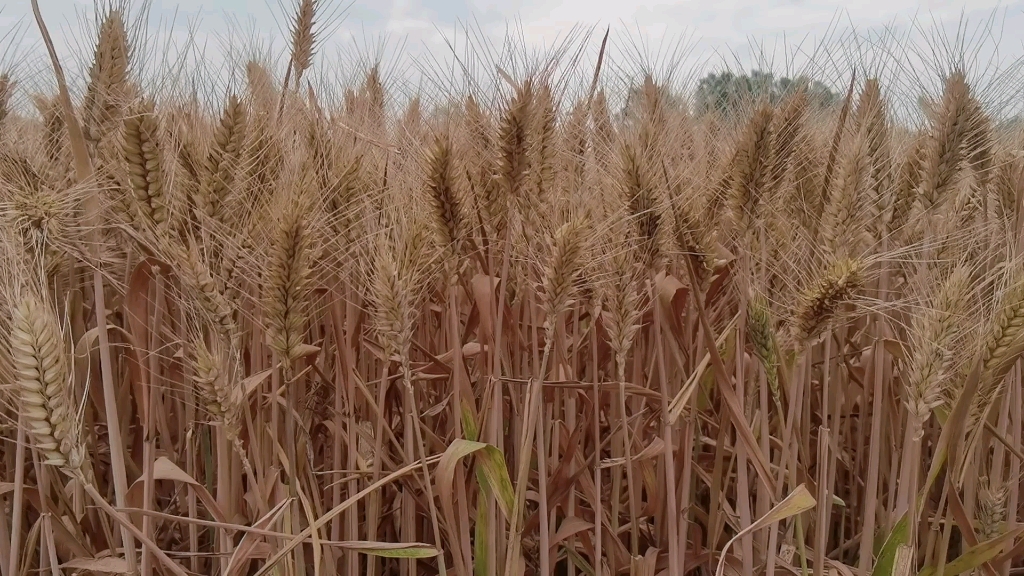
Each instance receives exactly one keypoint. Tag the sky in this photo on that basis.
(667, 36)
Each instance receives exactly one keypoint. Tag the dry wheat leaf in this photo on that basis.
(570, 526)
(976, 556)
(253, 382)
(390, 549)
(247, 548)
(164, 469)
(798, 501)
(109, 565)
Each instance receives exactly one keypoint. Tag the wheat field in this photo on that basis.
(507, 332)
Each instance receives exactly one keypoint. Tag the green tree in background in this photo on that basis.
(726, 92)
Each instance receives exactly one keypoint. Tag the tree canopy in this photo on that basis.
(725, 92)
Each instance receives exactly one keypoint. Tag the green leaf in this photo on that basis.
(899, 536)
(492, 473)
(579, 561)
(495, 471)
(975, 556)
(481, 548)
(469, 427)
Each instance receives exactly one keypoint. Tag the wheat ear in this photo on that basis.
(873, 123)
(762, 336)
(303, 39)
(750, 169)
(1006, 188)
(196, 276)
(107, 90)
(1005, 341)
(820, 303)
(288, 279)
(945, 148)
(141, 149)
(933, 333)
(450, 222)
(564, 265)
(842, 224)
(541, 150)
(223, 160)
(513, 134)
(642, 199)
(43, 383)
(992, 509)
(620, 302)
(1001, 348)
(41, 217)
(212, 380)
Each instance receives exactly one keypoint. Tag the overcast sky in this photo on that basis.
(699, 30)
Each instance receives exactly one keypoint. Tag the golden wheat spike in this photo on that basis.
(42, 378)
(819, 303)
(141, 149)
(287, 279)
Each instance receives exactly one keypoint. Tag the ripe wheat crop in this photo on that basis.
(513, 331)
